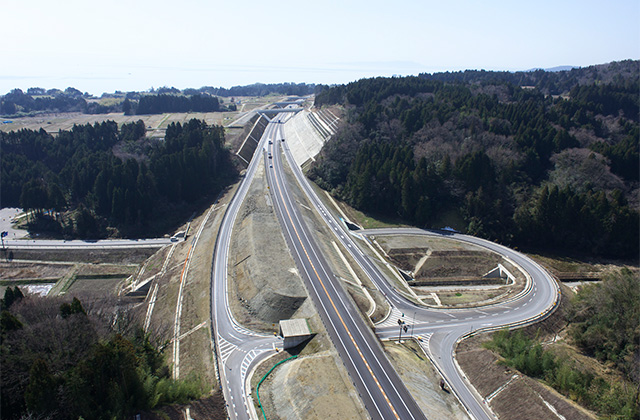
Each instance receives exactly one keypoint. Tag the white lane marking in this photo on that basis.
(226, 349)
(392, 319)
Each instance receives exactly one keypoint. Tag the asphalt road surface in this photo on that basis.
(442, 328)
(383, 393)
(88, 244)
(238, 349)
(381, 389)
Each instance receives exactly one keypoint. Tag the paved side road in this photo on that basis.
(7, 215)
(87, 244)
(16, 238)
(238, 350)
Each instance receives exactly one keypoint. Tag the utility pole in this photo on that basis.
(400, 323)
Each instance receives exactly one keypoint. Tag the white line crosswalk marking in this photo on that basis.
(392, 319)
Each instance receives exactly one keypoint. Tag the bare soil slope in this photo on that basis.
(265, 284)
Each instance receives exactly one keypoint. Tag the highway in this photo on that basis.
(382, 392)
(381, 389)
(442, 328)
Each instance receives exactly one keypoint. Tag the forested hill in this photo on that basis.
(486, 156)
(78, 186)
(548, 82)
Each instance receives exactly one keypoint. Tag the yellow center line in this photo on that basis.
(334, 306)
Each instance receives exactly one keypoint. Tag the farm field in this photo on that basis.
(156, 123)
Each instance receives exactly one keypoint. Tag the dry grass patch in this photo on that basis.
(568, 269)
(31, 271)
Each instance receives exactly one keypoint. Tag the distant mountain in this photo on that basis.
(555, 69)
(554, 81)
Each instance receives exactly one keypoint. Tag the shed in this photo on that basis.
(294, 332)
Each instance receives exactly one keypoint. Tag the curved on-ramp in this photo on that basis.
(446, 327)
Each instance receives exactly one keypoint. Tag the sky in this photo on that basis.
(142, 44)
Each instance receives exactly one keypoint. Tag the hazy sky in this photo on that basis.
(138, 44)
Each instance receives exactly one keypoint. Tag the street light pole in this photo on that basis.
(413, 323)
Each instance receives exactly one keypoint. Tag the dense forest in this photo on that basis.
(76, 185)
(158, 104)
(18, 102)
(603, 323)
(477, 152)
(62, 359)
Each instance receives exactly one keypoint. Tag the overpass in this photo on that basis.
(276, 111)
(284, 104)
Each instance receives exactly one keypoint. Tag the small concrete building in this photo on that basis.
(500, 272)
(294, 332)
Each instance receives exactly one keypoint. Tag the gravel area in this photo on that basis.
(265, 286)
